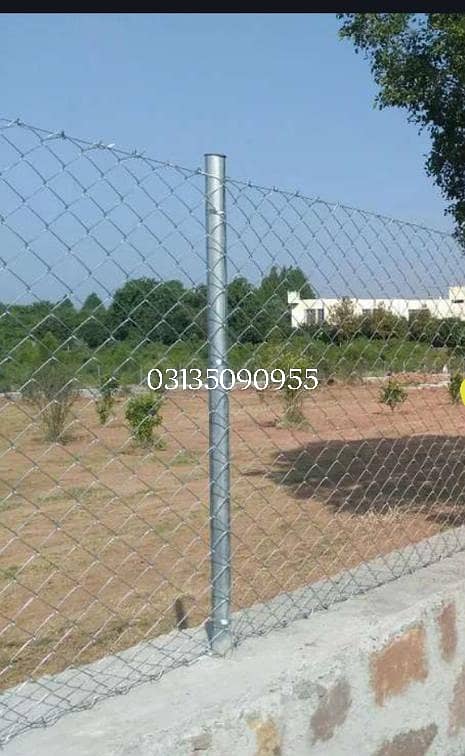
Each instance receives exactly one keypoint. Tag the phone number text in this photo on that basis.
(193, 379)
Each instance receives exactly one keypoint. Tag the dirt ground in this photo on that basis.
(103, 545)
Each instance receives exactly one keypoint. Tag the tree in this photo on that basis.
(423, 327)
(61, 321)
(92, 303)
(17, 322)
(261, 313)
(150, 309)
(245, 320)
(196, 306)
(93, 322)
(344, 322)
(272, 319)
(93, 331)
(281, 280)
(51, 390)
(417, 60)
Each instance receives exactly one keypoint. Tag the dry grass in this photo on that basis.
(103, 545)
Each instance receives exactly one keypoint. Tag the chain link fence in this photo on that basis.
(141, 529)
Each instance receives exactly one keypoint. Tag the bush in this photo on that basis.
(423, 327)
(383, 324)
(104, 404)
(392, 394)
(344, 322)
(143, 415)
(454, 387)
(52, 391)
(450, 332)
(275, 357)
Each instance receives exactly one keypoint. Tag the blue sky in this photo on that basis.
(288, 102)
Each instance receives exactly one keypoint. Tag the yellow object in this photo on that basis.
(462, 391)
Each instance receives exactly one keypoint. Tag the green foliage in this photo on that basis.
(103, 407)
(261, 313)
(105, 403)
(110, 387)
(52, 391)
(93, 329)
(450, 333)
(153, 310)
(143, 415)
(422, 327)
(383, 324)
(344, 322)
(259, 318)
(60, 321)
(285, 358)
(454, 387)
(92, 303)
(392, 394)
(417, 61)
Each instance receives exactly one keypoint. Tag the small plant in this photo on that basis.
(392, 394)
(291, 393)
(454, 386)
(52, 391)
(293, 409)
(185, 457)
(104, 404)
(143, 415)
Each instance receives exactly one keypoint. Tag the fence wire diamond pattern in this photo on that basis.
(107, 524)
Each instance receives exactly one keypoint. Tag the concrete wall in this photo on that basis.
(381, 674)
(438, 308)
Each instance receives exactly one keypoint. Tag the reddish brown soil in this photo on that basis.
(103, 545)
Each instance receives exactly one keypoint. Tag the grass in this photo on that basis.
(185, 457)
(9, 573)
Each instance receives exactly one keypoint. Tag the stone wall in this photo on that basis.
(381, 674)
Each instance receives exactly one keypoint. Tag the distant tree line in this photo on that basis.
(151, 323)
(157, 311)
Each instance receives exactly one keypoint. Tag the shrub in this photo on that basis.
(450, 332)
(383, 324)
(293, 412)
(110, 387)
(454, 387)
(104, 404)
(343, 321)
(143, 415)
(275, 357)
(392, 394)
(52, 391)
(423, 327)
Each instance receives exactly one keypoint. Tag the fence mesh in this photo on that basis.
(104, 484)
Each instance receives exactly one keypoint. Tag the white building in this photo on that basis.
(312, 311)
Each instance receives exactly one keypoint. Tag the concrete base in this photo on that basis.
(381, 674)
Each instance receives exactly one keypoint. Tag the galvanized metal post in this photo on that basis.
(218, 628)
